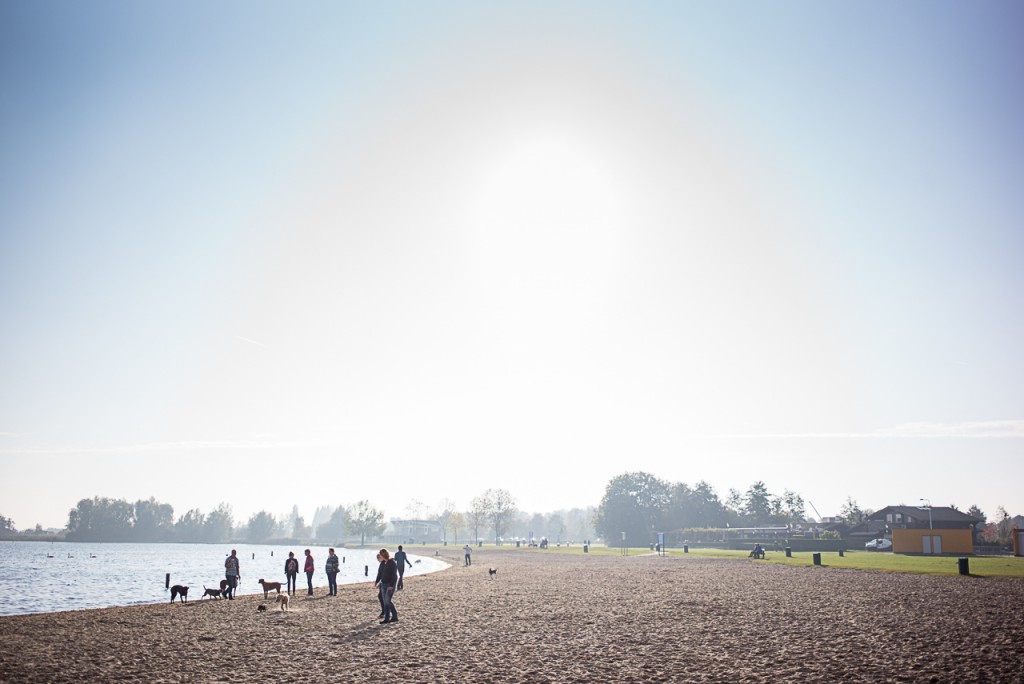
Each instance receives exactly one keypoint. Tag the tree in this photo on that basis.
(556, 527)
(261, 527)
(300, 530)
(101, 519)
(334, 528)
(851, 513)
(190, 526)
(633, 503)
(456, 522)
(365, 520)
(501, 508)
(445, 510)
(219, 523)
(6, 525)
(977, 513)
(680, 510)
(757, 504)
(415, 510)
(479, 511)
(536, 526)
(734, 502)
(707, 507)
(793, 507)
(154, 521)
(1003, 525)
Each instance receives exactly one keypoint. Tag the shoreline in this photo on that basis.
(554, 618)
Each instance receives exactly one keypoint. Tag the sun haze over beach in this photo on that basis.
(274, 254)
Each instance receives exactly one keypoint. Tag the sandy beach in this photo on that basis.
(549, 617)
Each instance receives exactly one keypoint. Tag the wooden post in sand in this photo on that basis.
(167, 581)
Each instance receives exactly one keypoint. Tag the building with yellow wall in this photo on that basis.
(931, 530)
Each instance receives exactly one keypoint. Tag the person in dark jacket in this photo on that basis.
(291, 570)
(401, 560)
(332, 567)
(387, 579)
(376, 584)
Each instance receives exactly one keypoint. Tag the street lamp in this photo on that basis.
(928, 507)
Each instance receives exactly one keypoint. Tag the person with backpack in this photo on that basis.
(309, 569)
(291, 569)
(331, 567)
(232, 573)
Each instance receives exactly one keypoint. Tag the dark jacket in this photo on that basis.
(291, 566)
(387, 575)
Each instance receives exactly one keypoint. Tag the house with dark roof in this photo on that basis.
(929, 530)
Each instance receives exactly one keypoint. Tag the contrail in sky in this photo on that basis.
(246, 339)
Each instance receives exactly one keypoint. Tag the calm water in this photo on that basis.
(44, 577)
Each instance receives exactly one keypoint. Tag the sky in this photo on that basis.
(276, 255)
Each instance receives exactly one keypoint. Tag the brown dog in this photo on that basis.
(213, 593)
(283, 600)
(267, 586)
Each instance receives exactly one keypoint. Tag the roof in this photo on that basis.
(868, 528)
(939, 514)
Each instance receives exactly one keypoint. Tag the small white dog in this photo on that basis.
(283, 600)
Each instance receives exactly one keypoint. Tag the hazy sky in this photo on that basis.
(309, 253)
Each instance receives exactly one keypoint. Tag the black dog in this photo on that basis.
(492, 571)
(179, 590)
(261, 608)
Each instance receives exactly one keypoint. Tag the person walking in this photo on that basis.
(291, 569)
(331, 567)
(401, 560)
(376, 584)
(468, 550)
(387, 578)
(309, 569)
(232, 573)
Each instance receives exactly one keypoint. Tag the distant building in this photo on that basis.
(935, 530)
(409, 531)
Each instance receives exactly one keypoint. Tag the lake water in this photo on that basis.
(45, 577)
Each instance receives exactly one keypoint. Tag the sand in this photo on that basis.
(549, 617)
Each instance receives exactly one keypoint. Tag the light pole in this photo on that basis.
(928, 507)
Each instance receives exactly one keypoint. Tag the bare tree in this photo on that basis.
(363, 518)
(445, 509)
(479, 511)
(456, 522)
(501, 509)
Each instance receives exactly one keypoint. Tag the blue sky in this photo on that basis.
(527, 246)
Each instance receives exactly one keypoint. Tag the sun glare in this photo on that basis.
(548, 213)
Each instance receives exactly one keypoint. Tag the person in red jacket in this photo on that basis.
(309, 572)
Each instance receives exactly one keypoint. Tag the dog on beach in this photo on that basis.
(261, 608)
(179, 591)
(283, 600)
(212, 593)
(492, 572)
(223, 587)
(268, 586)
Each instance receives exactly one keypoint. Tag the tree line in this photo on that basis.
(493, 515)
(641, 505)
